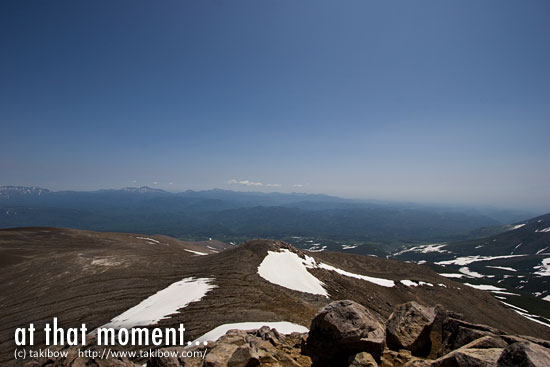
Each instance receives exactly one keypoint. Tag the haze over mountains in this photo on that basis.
(233, 215)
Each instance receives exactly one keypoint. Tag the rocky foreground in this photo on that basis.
(345, 333)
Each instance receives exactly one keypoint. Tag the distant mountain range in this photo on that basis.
(231, 215)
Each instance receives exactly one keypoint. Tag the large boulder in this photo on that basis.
(409, 328)
(342, 329)
(525, 354)
(441, 314)
(457, 333)
(486, 342)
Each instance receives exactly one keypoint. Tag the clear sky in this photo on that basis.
(440, 101)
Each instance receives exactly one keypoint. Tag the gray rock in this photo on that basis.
(441, 314)
(469, 358)
(418, 363)
(342, 329)
(457, 333)
(271, 335)
(510, 339)
(486, 342)
(525, 354)
(396, 358)
(409, 327)
(363, 359)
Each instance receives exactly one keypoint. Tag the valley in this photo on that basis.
(513, 265)
(233, 216)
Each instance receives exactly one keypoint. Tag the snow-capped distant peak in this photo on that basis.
(141, 190)
(10, 191)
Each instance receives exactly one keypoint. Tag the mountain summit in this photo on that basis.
(10, 192)
(142, 190)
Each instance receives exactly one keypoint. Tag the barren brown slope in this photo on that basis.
(82, 276)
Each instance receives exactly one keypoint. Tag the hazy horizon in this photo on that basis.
(424, 102)
(534, 211)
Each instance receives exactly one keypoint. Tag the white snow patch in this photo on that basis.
(283, 327)
(148, 239)
(317, 248)
(505, 293)
(515, 248)
(288, 270)
(532, 318)
(515, 307)
(411, 283)
(421, 262)
(349, 247)
(163, 303)
(516, 226)
(541, 251)
(451, 275)
(501, 268)
(380, 281)
(472, 259)
(525, 314)
(485, 287)
(544, 268)
(547, 229)
(424, 249)
(465, 270)
(196, 252)
(547, 298)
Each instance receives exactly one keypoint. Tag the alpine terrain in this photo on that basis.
(212, 287)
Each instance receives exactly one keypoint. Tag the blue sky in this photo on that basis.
(437, 101)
